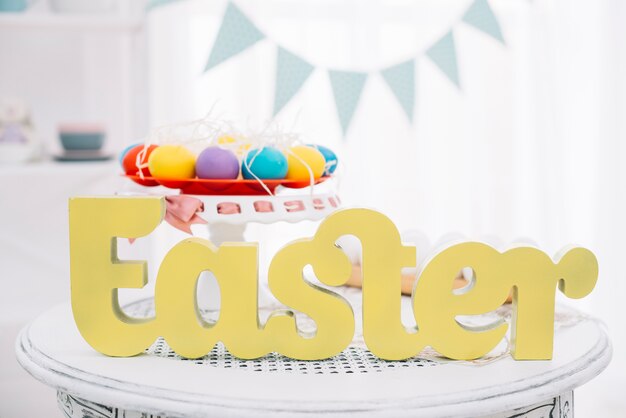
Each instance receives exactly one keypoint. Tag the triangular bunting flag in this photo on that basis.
(291, 73)
(153, 4)
(401, 81)
(235, 35)
(347, 87)
(443, 54)
(482, 18)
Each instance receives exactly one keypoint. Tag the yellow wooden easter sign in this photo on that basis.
(96, 274)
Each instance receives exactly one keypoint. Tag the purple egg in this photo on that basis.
(217, 163)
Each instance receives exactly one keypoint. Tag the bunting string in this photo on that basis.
(237, 33)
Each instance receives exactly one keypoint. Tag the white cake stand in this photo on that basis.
(228, 217)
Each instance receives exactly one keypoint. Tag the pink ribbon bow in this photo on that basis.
(182, 211)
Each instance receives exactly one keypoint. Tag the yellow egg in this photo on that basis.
(238, 146)
(222, 140)
(172, 162)
(296, 159)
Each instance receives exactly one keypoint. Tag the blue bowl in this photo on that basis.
(84, 141)
(13, 5)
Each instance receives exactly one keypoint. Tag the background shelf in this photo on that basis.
(68, 22)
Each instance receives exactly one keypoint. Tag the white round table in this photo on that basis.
(355, 383)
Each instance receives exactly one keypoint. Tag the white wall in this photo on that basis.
(76, 69)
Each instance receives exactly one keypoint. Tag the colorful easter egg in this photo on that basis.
(302, 161)
(226, 139)
(139, 155)
(240, 146)
(124, 152)
(265, 163)
(329, 156)
(217, 163)
(172, 162)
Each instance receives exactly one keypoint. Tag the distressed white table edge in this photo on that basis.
(475, 402)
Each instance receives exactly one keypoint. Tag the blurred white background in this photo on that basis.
(530, 147)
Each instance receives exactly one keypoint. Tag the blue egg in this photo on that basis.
(329, 156)
(125, 151)
(266, 163)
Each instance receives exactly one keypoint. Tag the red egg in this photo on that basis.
(130, 163)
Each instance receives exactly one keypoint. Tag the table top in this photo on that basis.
(355, 382)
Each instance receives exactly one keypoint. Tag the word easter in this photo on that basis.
(97, 273)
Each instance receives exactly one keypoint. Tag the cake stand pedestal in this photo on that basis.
(354, 383)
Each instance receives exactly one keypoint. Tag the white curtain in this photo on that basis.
(531, 146)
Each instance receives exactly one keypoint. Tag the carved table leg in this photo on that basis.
(74, 407)
(560, 406)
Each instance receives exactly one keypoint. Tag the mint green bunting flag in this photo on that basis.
(443, 54)
(401, 80)
(153, 4)
(347, 87)
(482, 18)
(291, 73)
(236, 34)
